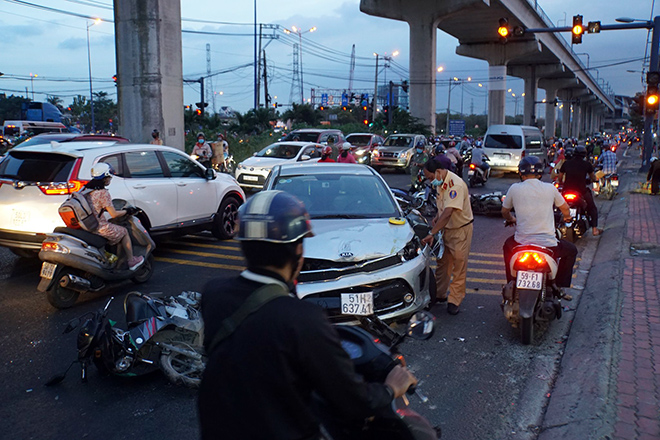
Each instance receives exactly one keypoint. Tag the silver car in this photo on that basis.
(365, 256)
(396, 151)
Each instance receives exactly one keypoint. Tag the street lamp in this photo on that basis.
(300, 33)
(89, 65)
(32, 77)
(388, 59)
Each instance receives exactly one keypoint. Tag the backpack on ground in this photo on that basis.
(78, 213)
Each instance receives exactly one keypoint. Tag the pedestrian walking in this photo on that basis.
(455, 220)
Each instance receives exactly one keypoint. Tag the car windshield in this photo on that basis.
(302, 136)
(399, 141)
(503, 141)
(358, 140)
(340, 196)
(280, 151)
(36, 167)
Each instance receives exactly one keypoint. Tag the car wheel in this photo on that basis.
(225, 223)
(144, 272)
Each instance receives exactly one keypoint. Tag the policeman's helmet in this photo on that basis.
(530, 165)
(274, 217)
(581, 151)
(102, 170)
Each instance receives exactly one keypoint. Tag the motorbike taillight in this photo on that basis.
(570, 197)
(473, 166)
(531, 261)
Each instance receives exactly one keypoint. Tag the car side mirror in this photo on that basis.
(210, 174)
(254, 154)
(305, 157)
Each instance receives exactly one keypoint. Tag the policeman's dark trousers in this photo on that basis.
(565, 251)
(592, 210)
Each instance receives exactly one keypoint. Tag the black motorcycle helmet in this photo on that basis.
(581, 151)
(569, 152)
(530, 165)
(271, 224)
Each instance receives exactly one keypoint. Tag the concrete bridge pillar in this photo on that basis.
(498, 55)
(565, 106)
(531, 83)
(550, 112)
(149, 69)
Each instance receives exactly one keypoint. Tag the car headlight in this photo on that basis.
(411, 250)
(360, 152)
(375, 153)
(240, 166)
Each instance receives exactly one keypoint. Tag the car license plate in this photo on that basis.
(250, 178)
(47, 270)
(357, 303)
(573, 212)
(529, 280)
(19, 218)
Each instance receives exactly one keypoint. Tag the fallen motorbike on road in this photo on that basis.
(163, 333)
(532, 296)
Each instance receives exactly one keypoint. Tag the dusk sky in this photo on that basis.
(52, 45)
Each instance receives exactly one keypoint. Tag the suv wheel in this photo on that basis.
(224, 226)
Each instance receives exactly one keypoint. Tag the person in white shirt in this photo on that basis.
(533, 202)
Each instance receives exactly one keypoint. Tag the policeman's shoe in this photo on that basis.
(452, 309)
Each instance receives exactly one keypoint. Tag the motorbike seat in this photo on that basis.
(88, 237)
(139, 308)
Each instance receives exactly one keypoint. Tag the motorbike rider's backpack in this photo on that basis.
(78, 213)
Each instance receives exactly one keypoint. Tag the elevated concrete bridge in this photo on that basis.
(543, 60)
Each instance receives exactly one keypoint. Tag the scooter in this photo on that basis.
(533, 295)
(373, 360)
(579, 224)
(487, 204)
(477, 175)
(163, 333)
(608, 186)
(76, 261)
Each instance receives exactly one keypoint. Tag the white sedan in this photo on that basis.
(365, 256)
(252, 172)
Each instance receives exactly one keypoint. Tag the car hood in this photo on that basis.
(393, 149)
(356, 239)
(263, 162)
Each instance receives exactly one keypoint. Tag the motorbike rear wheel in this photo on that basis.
(144, 272)
(570, 235)
(609, 192)
(61, 297)
(526, 330)
(182, 369)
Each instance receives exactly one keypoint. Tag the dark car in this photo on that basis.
(363, 144)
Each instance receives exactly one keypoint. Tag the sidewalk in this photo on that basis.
(608, 386)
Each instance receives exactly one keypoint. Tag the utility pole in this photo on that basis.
(448, 108)
(389, 104)
(375, 107)
(649, 116)
(266, 95)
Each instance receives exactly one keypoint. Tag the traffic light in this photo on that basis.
(366, 122)
(652, 97)
(344, 108)
(114, 79)
(577, 30)
(503, 30)
(321, 107)
(593, 27)
(198, 112)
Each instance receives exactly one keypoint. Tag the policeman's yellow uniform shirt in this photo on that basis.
(453, 193)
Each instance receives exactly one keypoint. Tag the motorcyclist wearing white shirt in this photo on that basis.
(533, 202)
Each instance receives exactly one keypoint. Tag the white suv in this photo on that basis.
(176, 193)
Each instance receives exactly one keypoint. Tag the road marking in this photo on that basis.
(204, 245)
(483, 292)
(488, 263)
(205, 254)
(200, 263)
(494, 271)
(484, 281)
(481, 254)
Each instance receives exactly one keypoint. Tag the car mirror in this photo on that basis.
(305, 157)
(254, 154)
(421, 325)
(210, 174)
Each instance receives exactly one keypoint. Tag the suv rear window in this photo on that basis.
(36, 167)
(503, 141)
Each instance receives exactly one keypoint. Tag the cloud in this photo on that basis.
(72, 44)
(13, 33)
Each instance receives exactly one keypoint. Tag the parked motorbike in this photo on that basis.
(76, 261)
(371, 349)
(579, 223)
(532, 296)
(477, 175)
(163, 333)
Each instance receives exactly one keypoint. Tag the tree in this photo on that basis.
(56, 101)
(303, 114)
(10, 107)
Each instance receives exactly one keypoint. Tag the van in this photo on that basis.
(505, 145)
(20, 128)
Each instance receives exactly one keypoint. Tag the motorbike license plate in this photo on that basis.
(47, 270)
(573, 212)
(250, 178)
(470, 173)
(614, 182)
(529, 280)
(357, 303)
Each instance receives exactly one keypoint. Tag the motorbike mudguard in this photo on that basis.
(46, 284)
(527, 302)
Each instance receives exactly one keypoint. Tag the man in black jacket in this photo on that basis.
(267, 362)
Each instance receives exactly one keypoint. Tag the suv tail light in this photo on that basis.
(60, 188)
